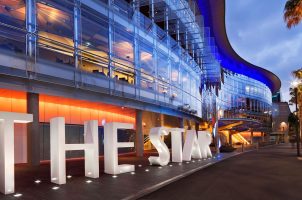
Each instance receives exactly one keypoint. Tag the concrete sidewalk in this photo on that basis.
(270, 173)
(146, 179)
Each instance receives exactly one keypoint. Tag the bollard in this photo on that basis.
(242, 147)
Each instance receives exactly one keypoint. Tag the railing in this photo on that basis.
(111, 85)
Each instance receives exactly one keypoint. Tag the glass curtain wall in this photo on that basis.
(241, 96)
(75, 36)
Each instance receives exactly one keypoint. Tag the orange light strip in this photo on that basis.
(78, 111)
(74, 111)
(12, 101)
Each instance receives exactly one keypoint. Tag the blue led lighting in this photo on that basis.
(231, 63)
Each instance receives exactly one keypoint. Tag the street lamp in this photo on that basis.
(295, 86)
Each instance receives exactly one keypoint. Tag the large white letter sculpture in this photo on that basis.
(191, 146)
(111, 146)
(7, 161)
(163, 151)
(176, 137)
(205, 139)
(58, 147)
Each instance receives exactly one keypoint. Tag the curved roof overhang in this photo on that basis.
(213, 12)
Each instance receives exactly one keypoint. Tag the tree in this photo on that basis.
(297, 74)
(292, 94)
(296, 98)
(293, 13)
(293, 122)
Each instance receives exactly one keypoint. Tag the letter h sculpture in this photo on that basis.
(59, 147)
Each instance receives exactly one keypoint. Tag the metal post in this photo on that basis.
(110, 37)
(151, 3)
(31, 27)
(76, 41)
(154, 46)
(186, 40)
(177, 32)
(193, 52)
(136, 42)
(169, 51)
(167, 19)
(76, 31)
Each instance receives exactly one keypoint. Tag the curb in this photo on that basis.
(162, 184)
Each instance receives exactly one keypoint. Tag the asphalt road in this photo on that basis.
(268, 174)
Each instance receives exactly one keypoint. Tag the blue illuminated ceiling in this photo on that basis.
(213, 12)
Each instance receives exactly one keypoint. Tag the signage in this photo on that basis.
(194, 147)
(7, 161)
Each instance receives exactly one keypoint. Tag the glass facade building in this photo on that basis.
(113, 59)
(106, 44)
(243, 95)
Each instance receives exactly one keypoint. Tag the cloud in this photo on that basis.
(257, 32)
(283, 53)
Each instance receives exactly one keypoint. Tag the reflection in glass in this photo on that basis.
(12, 12)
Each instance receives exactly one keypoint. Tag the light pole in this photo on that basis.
(295, 84)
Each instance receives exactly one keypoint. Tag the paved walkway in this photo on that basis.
(270, 173)
(124, 186)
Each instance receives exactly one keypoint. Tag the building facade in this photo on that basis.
(280, 125)
(146, 62)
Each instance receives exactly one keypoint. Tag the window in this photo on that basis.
(55, 26)
(123, 51)
(94, 42)
(147, 65)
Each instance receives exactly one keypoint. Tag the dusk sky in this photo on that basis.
(257, 32)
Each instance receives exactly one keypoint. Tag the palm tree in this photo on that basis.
(297, 73)
(293, 12)
(292, 94)
(295, 94)
(293, 122)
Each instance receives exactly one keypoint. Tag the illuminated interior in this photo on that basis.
(238, 138)
(247, 134)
